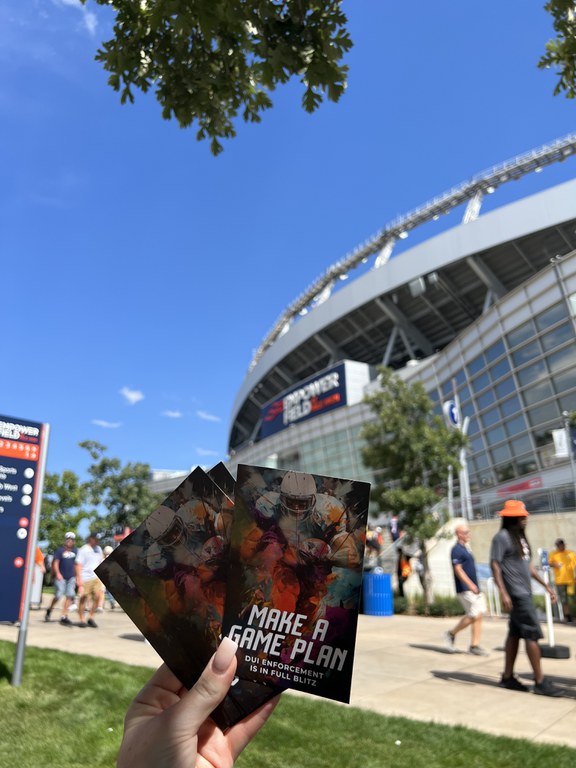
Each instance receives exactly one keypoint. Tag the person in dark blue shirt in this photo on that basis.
(468, 593)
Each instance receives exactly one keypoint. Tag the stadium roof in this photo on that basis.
(413, 305)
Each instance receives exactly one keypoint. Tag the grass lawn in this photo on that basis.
(68, 713)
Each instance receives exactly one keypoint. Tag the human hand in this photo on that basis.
(167, 726)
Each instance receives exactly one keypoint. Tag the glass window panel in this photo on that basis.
(562, 359)
(568, 402)
(500, 369)
(501, 453)
(468, 409)
(480, 382)
(516, 425)
(510, 406)
(542, 437)
(473, 428)
(536, 394)
(526, 353)
(464, 394)
(495, 435)
(475, 365)
(505, 472)
(543, 413)
(446, 388)
(460, 377)
(505, 387)
(526, 465)
(520, 334)
(491, 417)
(520, 445)
(486, 399)
(551, 316)
(553, 339)
(564, 381)
(476, 445)
(481, 461)
(532, 373)
(433, 395)
(495, 351)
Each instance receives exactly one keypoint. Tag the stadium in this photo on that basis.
(482, 313)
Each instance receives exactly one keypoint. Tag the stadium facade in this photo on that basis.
(483, 314)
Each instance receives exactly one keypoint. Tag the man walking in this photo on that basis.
(64, 571)
(468, 593)
(510, 558)
(89, 585)
(563, 563)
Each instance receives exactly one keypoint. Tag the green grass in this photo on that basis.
(68, 713)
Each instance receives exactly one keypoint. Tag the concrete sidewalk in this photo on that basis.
(402, 668)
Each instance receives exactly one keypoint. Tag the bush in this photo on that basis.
(442, 605)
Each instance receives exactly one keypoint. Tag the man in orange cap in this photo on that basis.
(510, 558)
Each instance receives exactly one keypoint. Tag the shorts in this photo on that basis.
(564, 592)
(65, 587)
(474, 604)
(93, 588)
(523, 620)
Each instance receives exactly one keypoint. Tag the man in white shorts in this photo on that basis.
(468, 593)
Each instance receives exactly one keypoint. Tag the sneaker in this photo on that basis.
(475, 650)
(546, 688)
(99, 610)
(449, 641)
(92, 623)
(47, 616)
(513, 684)
(66, 621)
(73, 607)
(82, 624)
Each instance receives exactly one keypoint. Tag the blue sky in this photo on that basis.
(139, 273)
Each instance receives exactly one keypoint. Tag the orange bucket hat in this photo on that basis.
(513, 508)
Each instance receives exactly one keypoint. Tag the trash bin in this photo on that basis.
(377, 594)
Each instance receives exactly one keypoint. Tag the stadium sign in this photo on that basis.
(311, 397)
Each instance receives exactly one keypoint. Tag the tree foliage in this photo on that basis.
(211, 60)
(411, 449)
(561, 50)
(63, 507)
(122, 490)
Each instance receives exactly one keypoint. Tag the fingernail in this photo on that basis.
(224, 655)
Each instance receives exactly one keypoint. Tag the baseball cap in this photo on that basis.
(69, 535)
(93, 535)
(513, 508)
(559, 542)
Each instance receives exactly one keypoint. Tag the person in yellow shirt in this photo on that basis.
(563, 563)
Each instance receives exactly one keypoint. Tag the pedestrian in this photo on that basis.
(167, 725)
(563, 562)
(468, 593)
(108, 596)
(510, 559)
(64, 574)
(90, 588)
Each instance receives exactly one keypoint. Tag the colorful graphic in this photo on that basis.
(295, 578)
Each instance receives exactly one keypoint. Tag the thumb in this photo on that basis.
(211, 687)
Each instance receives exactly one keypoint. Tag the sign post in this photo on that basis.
(23, 449)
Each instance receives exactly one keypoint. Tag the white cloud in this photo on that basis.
(173, 414)
(207, 416)
(133, 396)
(206, 452)
(89, 18)
(107, 424)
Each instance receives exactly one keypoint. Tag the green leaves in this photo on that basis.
(212, 61)
(561, 51)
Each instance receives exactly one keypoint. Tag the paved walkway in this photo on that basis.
(401, 668)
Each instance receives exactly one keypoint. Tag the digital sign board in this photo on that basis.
(22, 456)
(312, 397)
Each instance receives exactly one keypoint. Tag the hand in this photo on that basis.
(167, 726)
(552, 594)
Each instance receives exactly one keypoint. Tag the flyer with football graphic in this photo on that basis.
(295, 578)
(273, 560)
